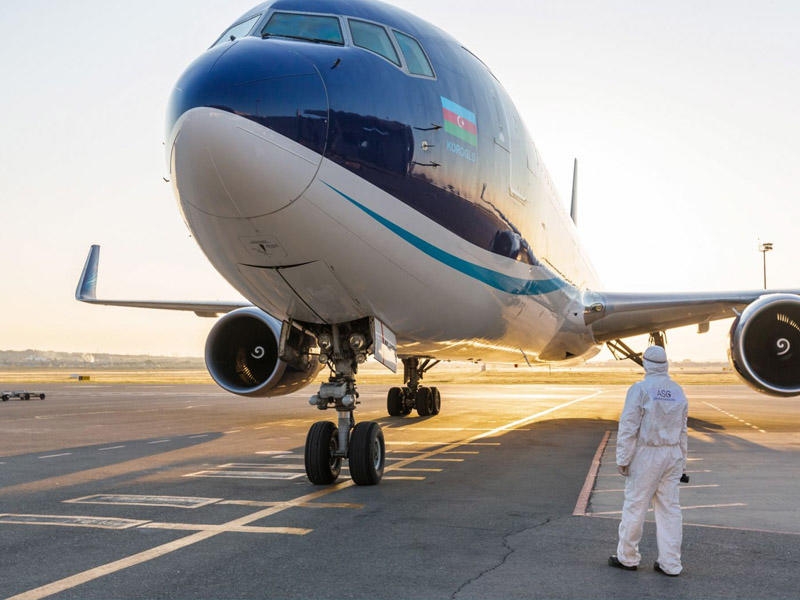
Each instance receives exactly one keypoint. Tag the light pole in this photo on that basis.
(764, 248)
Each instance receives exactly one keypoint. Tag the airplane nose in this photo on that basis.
(248, 124)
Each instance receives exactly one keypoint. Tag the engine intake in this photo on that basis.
(242, 356)
(765, 344)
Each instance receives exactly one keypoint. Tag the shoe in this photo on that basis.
(613, 561)
(658, 568)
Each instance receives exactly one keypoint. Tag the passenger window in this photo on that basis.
(312, 28)
(417, 62)
(237, 31)
(373, 38)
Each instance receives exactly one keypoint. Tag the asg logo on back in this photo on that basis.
(663, 394)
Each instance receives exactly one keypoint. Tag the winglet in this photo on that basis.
(87, 284)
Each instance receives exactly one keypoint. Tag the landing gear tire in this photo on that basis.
(367, 453)
(322, 464)
(424, 402)
(394, 402)
(436, 401)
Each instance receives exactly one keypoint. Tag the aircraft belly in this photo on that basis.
(322, 292)
(426, 302)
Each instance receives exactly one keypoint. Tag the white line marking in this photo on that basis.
(426, 443)
(142, 500)
(699, 506)
(246, 474)
(259, 466)
(159, 442)
(683, 487)
(55, 455)
(70, 521)
(734, 417)
(110, 448)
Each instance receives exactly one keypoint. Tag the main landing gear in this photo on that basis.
(327, 444)
(427, 400)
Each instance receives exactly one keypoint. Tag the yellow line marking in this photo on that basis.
(73, 581)
(164, 549)
(306, 505)
(419, 470)
(226, 529)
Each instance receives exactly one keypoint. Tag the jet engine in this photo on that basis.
(765, 344)
(242, 355)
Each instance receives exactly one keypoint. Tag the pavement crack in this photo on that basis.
(508, 551)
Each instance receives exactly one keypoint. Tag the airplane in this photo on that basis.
(368, 186)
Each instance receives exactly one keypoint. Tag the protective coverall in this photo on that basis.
(652, 444)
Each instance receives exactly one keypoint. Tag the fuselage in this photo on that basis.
(340, 160)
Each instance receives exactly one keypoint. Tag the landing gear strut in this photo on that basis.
(427, 400)
(620, 350)
(343, 348)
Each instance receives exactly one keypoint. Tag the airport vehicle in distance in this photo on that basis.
(6, 396)
(367, 184)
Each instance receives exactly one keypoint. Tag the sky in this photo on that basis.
(683, 116)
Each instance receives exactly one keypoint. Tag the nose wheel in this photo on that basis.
(327, 444)
(323, 464)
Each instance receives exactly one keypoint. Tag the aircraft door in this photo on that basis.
(502, 153)
(512, 137)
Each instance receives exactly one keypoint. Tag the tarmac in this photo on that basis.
(186, 491)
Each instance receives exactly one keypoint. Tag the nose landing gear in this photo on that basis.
(327, 445)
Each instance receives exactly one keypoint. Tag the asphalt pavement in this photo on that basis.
(144, 491)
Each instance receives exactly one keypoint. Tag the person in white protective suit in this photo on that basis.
(651, 454)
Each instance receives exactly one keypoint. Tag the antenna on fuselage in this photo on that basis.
(573, 210)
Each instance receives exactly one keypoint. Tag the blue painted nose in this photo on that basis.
(248, 124)
(265, 81)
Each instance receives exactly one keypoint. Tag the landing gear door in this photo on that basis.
(384, 345)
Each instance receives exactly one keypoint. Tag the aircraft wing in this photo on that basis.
(618, 315)
(87, 286)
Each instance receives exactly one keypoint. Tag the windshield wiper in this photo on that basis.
(266, 35)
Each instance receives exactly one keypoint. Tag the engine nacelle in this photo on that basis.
(242, 356)
(765, 344)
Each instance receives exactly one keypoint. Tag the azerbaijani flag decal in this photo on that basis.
(460, 122)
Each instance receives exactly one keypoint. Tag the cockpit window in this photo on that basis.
(237, 31)
(417, 62)
(312, 28)
(374, 38)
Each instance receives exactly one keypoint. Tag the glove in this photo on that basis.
(624, 470)
(684, 478)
